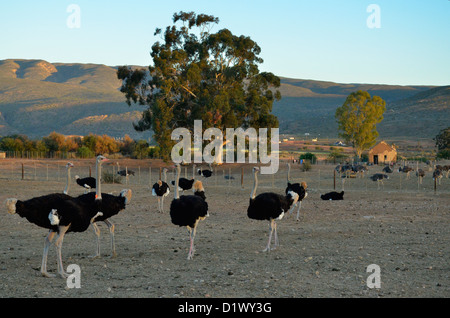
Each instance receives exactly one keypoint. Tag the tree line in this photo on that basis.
(80, 147)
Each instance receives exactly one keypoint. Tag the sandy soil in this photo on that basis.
(403, 227)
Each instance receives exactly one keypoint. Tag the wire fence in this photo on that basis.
(320, 178)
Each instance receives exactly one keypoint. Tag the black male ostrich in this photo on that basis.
(379, 178)
(300, 189)
(333, 196)
(186, 184)
(161, 189)
(205, 172)
(125, 172)
(269, 206)
(188, 210)
(60, 214)
(87, 183)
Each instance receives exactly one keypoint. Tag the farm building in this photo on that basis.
(382, 153)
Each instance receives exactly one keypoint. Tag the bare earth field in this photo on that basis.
(403, 227)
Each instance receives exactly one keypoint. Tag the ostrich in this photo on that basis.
(379, 178)
(446, 168)
(73, 216)
(269, 206)
(420, 174)
(125, 172)
(87, 183)
(161, 189)
(438, 174)
(387, 169)
(300, 189)
(188, 210)
(69, 166)
(109, 205)
(205, 173)
(333, 196)
(186, 184)
(406, 170)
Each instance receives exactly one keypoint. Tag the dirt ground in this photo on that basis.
(403, 227)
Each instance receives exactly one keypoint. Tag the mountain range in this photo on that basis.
(38, 97)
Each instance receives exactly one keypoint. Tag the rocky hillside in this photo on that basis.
(38, 97)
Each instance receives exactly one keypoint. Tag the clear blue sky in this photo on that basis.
(320, 40)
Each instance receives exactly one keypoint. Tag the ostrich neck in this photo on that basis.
(289, 173)
(66, 190)
(177, 177)
(255, 185)
(165, 176)
(98, 168)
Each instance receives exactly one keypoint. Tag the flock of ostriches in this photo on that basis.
(61, 213)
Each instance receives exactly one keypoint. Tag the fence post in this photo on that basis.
(334, 179)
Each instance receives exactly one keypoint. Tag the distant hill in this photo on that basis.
(38, 97)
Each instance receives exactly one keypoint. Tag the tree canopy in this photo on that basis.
(197, 74)
(443, 143)
(357, 119)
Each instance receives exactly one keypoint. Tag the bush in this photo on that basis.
(443, 154)
(85, 152)
(108, 177)
(309, 156)
(306, 166)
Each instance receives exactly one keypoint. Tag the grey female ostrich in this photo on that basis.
(161, 189)
(269, 206)
(189, 210)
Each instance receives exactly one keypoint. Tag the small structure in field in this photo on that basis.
(382, 153)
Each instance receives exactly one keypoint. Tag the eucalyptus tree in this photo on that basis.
(198, 74)
(358, 118)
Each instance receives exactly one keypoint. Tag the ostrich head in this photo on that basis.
(11, 205)
(101, 158)
(127, 194)
(69, 165)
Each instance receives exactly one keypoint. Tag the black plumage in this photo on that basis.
(87, 183)
(161, 190)
(333, 196)
(300, 189)
(57, 212)
(379, 177)
(188, 210)
(36, 210)
(269, 206)
(205, 172)
(184, 184)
